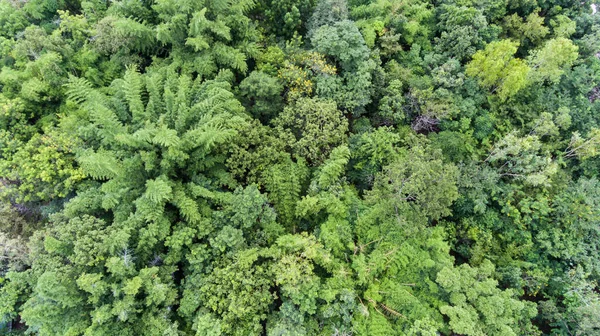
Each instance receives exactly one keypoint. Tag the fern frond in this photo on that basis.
(166, 137)
(187, 206)
(182, 101)
(154, 86)
(108, 122)
(198, 23)
(148, 210)
(207, 136)
(230, 57)
(164, 34)
(252, 49)
(220, 29)
(284, 183)
(91, 101)
(199, 191)
(213, 105)
(218, 6)
(205, 64)
(113, 191)
(79, 90)
(102, 165)
(334, 167)
(199, 43)
(244, 6)
(170, 103)
(141, 36)
(144, 135)
(183, 90)
(133, 93)
(158, 190)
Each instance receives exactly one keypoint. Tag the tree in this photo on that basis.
(549, 62)
(522, 158)
(420, 177)
(254, 149)
(285, 18)
(204, 35)
(301, 70)
(118, 267)
(285, 182)
(262, 95)
(463, 31)
(497, 69)
(75, 296)
(299, 167)
(352, 89)
(370, 151)
(236, 290)
(530, 31)
(411, 20)
(327, 13)
(583, 148)
(43, 169)
(391, 104)
(478, 307)
(316, 127)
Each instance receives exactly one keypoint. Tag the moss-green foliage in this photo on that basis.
(261, 95)
(299, 167)
(315, 127)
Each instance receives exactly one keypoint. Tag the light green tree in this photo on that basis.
(316, 127)
(497, 69)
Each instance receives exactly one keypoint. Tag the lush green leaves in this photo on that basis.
(299, 167)
(497, 69)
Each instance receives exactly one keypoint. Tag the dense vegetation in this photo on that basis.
(299, 167)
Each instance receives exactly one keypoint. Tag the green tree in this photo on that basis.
(284, 18)
(108, 284)
(315, 125)
(352, 89)
(549, 62)
(497, 69)
(420, 177)
(522, 158)
(478, 307)
(262, 95)
(43, 169)
(327, 12)
(529, 31)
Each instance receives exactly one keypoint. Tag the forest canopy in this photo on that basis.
(299, 167)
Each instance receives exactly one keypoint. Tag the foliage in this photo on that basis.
(262, 95)
(315, 127)
(42, 169)
(477, 306)
(299, 167)
(342, 41)
(497, 69)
